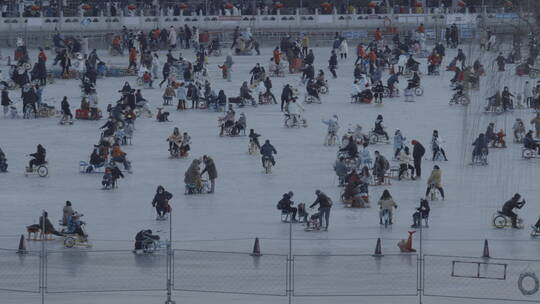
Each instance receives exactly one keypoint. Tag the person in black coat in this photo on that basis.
(5, 101)
(310, 58)
(510, 205)
(332, 64)
(325, 203)
(418, 153)
(144, 236)
(422, 212)
(65, 108)
(501, 61)
(286, 95)
(286, 205)
(161, 201)
(38, 157)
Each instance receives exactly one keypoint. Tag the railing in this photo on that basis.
(411, 275)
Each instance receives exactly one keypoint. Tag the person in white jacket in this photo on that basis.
(356, 90)
(155, 66)
(491, 42)
(295, 110)
(405, 163)
(402, 61)
(333, 128)
(343, 49)
(172, 37)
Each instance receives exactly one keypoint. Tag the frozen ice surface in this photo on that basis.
(244, 204)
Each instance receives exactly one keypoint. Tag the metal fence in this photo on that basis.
(414, 276)
(479, 278)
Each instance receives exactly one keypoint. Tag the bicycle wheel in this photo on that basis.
(69, 242)
(42, 171)
(418, 91)
(464, 100)
(499, 221)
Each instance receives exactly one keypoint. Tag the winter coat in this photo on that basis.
(267, 150)
(404, 158)
(418, 151)
(49, 228)
(399, 141)
(5, 98)
(333, 125)
(40, 154)
(172, 36)
(210, 168)
(193, 175)
(67, 211)
(181, 93)
(527, 92)
(322, 200)
(380, 166)
(162, 197)
(344, 47)
(387, 204)
(340, 168)
(435, 178)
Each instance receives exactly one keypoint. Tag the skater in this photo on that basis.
(142, 238)
(434, 181)
(38, 158)
(436, 146)
(422, 212)
(501, 61)
(325, 203)
(379, 127)
(161, 202)
(286, 205)
(404, 163)
(510, 205)
(66, 112)
(254, 138)
(210, 168)
(49, 228)
(386, 203)
(332, 64)
(67, 211)
(399, 142)
(3, 162)
(267, 152)
(418, 153)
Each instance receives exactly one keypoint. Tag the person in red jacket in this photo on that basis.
(277, 55)
(132, 59)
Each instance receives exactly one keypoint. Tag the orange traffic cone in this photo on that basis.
(378, 251)
(256, 248)
(485, 254)
(406, 245)
(22, 245)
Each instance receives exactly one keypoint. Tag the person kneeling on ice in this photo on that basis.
(286, 205)
(422, 212)
(325, 203)
(161, 202)
(142, 237)
(510, 205)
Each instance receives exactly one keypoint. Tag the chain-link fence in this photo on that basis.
(20, 273)
(478, 278)
(229, 272)
(355, 275)
(326, 275)
(92, 271)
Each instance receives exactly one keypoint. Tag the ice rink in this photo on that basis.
(244, 204)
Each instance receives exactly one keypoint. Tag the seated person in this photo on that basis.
(38, 158)
(530, 143)
(96, 161)
(414, 82)
(312, 89)
(162, 116)
(74, 224)
(302, 213)
(144, 236)
(412, 65)
(240, 125)
(422, 212)
(185, 145)
(351, 148)
(49, 228)
(227, 121)
(254, 138)
(286, 205)
(147, 79)
(175, 140)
